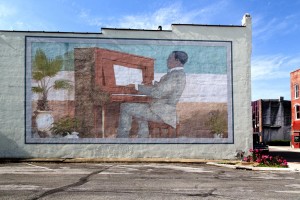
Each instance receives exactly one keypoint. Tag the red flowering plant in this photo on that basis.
(265, 160)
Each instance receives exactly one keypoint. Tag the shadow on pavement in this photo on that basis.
(290, 156)
(11, 149)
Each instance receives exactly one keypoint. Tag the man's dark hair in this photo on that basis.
(181, 56)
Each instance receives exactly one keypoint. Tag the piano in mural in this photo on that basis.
(103, 80)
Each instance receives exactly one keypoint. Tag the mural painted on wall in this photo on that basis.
(86, 90)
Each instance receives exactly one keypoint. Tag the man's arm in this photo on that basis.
(168, 85)
(145, 89)
(164, 87)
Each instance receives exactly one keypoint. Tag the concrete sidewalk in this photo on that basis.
(293, 167)
(284, 148)
(233, 164)
(294, 155)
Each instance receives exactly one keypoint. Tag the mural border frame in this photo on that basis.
(27, 123)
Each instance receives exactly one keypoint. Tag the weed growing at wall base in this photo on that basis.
(263, 160)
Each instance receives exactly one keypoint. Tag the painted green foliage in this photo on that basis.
(217, 121)
(65, 126)
(44, 69)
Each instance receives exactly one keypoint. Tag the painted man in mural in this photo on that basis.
(165, 94)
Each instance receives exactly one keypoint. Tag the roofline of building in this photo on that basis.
(123, 29)
(294, 71)
(69, 32)
(213, 25)
(132, 29)
(270, 100)
(167, 30)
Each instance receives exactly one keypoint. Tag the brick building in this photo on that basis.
(295, 103)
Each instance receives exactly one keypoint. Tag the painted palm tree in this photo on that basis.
(44, 69)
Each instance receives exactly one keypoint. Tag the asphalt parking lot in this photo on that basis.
(29, 180)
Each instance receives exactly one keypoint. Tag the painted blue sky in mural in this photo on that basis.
(203, 58)
(276, 26)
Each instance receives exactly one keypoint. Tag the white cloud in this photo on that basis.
(12, 18)
(6, 11)
(266, 67)
(163, 16)
(271, 76)
(264, 30)
(168, 15)
(273, 66)
(26, 26)
(90, 20)
(269, 29)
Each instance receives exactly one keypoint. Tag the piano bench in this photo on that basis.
(162, 130)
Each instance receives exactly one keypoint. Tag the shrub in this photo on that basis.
(65, 126)
(217, 122)
(265, 160)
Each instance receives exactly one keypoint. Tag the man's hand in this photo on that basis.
(135, 86)
(131, 85)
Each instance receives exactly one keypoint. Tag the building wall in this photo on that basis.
(295, 79)
(13, 102)
(272, 119)
(256, 116)
(276, 120)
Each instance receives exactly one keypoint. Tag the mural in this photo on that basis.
(86, 90)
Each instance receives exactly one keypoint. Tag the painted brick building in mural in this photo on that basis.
(271, 119)
(295, 108)
(193, 79)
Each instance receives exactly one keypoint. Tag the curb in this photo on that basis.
(220, 163)
(237, 166)
(108, 160)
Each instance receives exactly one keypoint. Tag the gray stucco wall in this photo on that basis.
(12, 98)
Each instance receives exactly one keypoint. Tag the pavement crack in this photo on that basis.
(206, 194)
(81, 181)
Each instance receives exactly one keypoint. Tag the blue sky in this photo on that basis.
(276, 26)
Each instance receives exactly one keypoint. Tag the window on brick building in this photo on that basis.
(296, 91)
(297, 110)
